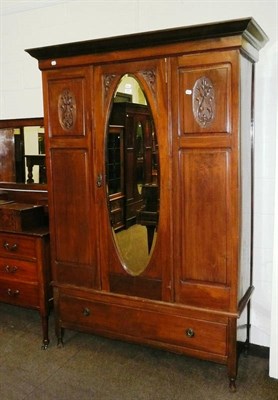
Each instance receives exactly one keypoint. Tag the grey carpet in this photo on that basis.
(94, 368)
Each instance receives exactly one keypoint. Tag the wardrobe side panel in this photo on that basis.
(246, 178)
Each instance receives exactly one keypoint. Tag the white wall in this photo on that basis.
(21, 94)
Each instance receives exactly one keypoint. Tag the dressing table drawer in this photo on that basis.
(17, 269)
(25, 272)
(19, 293)
(13, 245)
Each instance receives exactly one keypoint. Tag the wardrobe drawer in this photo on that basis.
(19, 293)
(146, 325)
(193, 333)
(17, 246)
(11, 268)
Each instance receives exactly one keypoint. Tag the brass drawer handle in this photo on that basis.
(9, 247)
(190, 333)
(11, 269)
(86, 312)
(13, 293)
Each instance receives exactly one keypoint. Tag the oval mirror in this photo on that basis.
(132, 175)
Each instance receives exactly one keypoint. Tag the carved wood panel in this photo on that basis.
(66, 103)
(67, 109)
(204, 100)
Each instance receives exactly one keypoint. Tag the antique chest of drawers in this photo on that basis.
(25, 272)
(20, 216)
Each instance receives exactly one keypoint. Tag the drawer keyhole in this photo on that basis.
(190, 333)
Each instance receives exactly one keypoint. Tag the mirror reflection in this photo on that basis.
(22, 154)
(132, 175)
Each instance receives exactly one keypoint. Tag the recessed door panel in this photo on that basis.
(67, 105)
(71, 201)
(204, 99)
(204, 180)
(204, 183)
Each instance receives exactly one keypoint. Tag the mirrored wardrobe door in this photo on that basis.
(131, 131)
(132, 178)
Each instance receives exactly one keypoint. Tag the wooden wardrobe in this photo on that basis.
(192, 296)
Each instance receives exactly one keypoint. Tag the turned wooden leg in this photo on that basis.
(30, 173)
(59, 333)
(232, 385)
(247, 342)
(60, 337)
(232, 354)
(58, 329)
(45, 332)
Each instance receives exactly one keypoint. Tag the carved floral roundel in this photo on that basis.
(67, 109)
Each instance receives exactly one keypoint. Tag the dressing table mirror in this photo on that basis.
(24, 235)
(22, 152)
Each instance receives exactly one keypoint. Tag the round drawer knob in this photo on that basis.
(190, 332)
(86, 312)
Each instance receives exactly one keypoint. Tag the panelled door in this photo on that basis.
(205, 138)
(70, 159)
(129, 266)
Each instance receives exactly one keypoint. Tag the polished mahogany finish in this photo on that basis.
(25, 272)
(198, 82)
(24, 235)
(18, 217)
(31, 193)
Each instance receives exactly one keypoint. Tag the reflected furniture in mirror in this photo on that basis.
(115, 175)
(148, 214)
(22, 143)
(190, 292)
(134, 158)
(137, 152)
(39, 160)
(24, 235)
